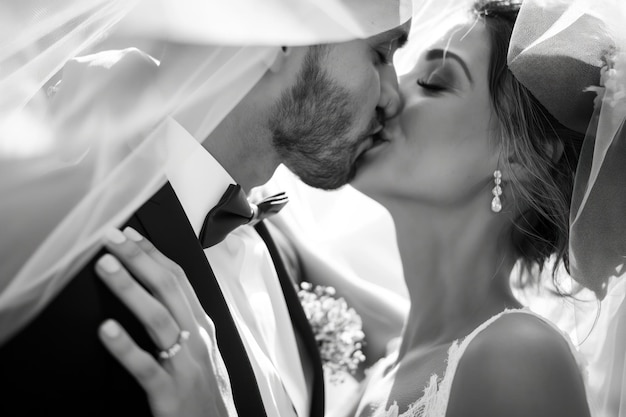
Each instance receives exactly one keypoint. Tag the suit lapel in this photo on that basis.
(168, 228)
(299, 321)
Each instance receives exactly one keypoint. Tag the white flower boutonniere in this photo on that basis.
(337, 329)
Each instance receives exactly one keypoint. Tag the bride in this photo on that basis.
(482, 181)
(478, 177)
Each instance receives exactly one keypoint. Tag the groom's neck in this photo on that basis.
(244, 150)
(241, 142)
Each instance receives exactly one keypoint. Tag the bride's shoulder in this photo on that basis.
(518, 365)
(517, 331)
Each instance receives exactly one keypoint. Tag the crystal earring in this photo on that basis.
(496, 204)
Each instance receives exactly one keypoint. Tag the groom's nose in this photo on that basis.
(390, 101)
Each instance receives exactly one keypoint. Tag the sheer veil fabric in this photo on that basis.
(79, 157)
(571, 55)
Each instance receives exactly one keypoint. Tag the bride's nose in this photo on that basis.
(390, 101)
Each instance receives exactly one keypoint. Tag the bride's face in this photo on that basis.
(444, 149)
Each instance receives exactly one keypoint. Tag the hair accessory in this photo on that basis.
(564, 52)
(496, 204)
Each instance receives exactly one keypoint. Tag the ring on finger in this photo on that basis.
(171, 351)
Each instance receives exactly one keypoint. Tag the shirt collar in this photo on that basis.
(197, 178)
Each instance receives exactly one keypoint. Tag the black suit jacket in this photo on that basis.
(57, 365)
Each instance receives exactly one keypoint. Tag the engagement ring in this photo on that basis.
(170, 352)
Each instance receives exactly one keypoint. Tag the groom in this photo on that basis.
(318, 110)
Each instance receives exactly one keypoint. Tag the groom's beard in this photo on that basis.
(311, 125)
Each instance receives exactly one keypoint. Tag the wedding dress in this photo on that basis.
(434, 401)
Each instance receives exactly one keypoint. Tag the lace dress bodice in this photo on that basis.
(434, 401)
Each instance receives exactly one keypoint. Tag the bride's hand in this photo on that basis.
(190, 378)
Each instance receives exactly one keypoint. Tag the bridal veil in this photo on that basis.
(571, 54)
(83, 139)
(77, 158)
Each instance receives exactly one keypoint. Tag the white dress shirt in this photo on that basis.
(247, 277)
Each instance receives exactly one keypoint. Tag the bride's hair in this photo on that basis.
(533, 138)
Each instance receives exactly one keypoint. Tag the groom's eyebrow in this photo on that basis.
(441, 54)
(399, 35)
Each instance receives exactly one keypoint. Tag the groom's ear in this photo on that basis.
(281, 59)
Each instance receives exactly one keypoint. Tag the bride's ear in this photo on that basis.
(555, 151)
(514, 168)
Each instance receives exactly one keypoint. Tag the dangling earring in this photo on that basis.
(496, 204)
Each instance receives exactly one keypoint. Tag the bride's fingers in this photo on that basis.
(158, 321)
(157, 278)
(172, 266)
(144, 368)
(150, 249)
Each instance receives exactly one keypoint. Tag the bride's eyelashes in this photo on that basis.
(438, 78)
(430, 86)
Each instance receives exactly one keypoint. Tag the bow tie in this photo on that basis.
(234, 210)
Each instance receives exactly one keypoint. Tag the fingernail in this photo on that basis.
(132, 234)
(115, 236)
(111, 329)
(109, 263)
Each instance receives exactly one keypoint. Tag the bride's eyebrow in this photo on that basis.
(441, 54)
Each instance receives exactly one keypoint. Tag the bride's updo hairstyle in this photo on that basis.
(533, 138)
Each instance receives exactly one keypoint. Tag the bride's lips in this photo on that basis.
(371, 141)
(379, 142)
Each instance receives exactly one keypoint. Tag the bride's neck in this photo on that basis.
(456, 269)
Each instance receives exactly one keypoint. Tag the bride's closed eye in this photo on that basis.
(431, 86)
(439, 76)
(437, 80)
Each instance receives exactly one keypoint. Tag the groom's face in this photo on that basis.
(332, 115)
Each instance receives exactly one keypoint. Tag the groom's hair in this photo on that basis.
(532, 137)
